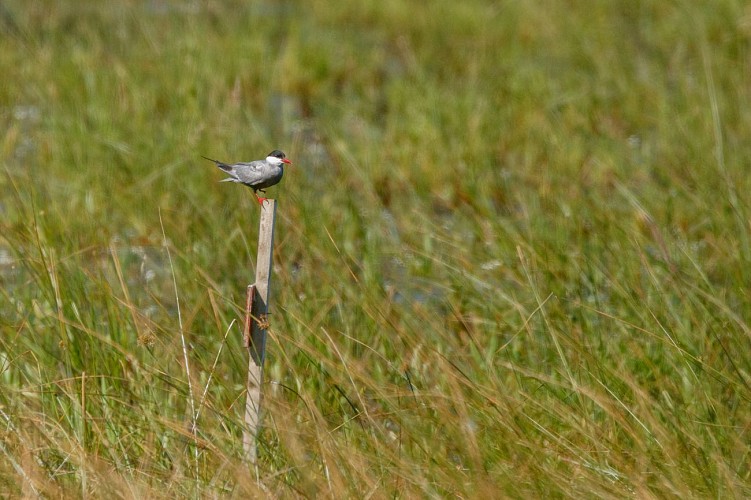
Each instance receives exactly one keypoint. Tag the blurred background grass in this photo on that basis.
(512, 256)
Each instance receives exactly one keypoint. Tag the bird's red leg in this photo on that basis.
(260, 199)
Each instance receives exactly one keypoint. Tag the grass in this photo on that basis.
(512, 257)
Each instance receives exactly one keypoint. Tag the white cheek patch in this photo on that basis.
(273, 160)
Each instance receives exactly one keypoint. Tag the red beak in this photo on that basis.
(285, 160)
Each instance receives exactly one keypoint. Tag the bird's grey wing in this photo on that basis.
(249, 173)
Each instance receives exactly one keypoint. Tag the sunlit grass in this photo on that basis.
(511, 257)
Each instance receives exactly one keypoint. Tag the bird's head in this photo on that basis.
(276, 157)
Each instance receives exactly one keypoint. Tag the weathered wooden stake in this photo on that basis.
(256, 323)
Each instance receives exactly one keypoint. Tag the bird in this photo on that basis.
(258, 174)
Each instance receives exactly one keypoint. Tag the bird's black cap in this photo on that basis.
(277, 154)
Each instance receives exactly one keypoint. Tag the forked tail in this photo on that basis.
(222, 165)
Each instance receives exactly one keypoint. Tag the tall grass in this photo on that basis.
(512, 256)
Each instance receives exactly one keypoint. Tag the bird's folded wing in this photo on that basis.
(250, 173)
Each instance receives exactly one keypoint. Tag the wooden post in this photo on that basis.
(256, 324)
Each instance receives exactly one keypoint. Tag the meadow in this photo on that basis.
(512, 255)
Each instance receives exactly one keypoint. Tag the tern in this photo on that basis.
(258, 174)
